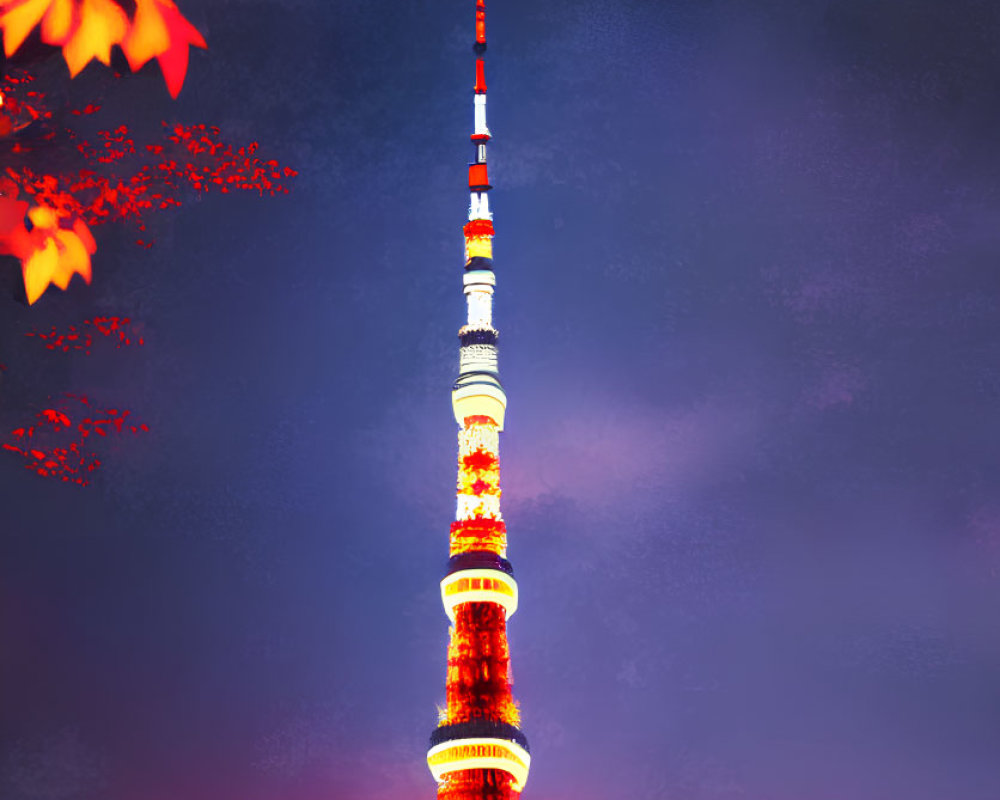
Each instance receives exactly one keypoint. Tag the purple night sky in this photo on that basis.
(748, 260)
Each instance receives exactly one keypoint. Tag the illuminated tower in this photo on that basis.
(478, 752)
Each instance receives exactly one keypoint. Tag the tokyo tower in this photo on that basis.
(478, 751)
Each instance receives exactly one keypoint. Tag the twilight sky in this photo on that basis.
(748, 259)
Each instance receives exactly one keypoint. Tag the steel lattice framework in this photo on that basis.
(478, 751)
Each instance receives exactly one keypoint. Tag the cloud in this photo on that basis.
(613, 450)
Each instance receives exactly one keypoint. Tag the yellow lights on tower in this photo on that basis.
(478, 247)
(479, 586)
(462, 754)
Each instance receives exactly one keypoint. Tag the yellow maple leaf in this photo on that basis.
(19, 18)
(54, 254)
(102, 25)
(38, 269)
(58, 22)
(147, 37)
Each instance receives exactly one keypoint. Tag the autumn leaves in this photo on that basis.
(88, 29)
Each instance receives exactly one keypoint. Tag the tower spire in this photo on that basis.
(478, 752)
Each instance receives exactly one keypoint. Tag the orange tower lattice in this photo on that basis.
(478, 751)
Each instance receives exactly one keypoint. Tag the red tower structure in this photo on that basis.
(478, 751)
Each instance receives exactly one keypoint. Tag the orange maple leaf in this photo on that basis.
(101, 24)
(57, 255)
(88, 29)
(160, 31)
(50, 254)
(19, 18)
